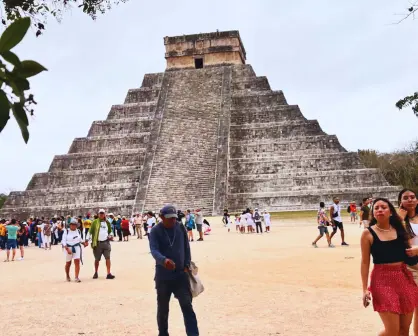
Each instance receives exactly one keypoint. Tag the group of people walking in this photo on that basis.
(250, 221)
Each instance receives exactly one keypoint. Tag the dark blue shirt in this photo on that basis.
(169, 244)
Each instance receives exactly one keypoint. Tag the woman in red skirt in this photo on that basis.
(392, 287)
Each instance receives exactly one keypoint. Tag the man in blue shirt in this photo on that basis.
(171, 250)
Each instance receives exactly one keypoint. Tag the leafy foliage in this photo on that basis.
(3, 198)
(409, 101)
(39, 10)
(399, 168)
(14, 75)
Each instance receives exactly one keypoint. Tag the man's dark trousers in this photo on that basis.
(180, 287)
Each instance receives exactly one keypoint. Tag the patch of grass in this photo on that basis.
(294, 214)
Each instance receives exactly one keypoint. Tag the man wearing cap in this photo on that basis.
(199, 223)
(101, 234)
(171, 250)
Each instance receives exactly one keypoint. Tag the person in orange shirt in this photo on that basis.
(3, 235)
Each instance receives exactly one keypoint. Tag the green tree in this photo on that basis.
(3, 198)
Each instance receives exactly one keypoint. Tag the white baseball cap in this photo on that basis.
(102, 210)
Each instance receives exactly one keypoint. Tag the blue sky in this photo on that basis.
(344, 65)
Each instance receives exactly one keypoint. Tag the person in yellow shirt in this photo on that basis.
(3, 235)
(87, 225)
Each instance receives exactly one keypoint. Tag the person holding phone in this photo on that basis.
(392, 287)
(408, 211)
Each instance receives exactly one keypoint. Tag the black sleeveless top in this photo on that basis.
(388, 252)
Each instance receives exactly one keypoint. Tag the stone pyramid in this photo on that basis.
(206, 133)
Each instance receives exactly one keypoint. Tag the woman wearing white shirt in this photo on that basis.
(71, 242)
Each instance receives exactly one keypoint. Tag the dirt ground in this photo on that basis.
(270, 284)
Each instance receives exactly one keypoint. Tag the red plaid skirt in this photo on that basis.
(393, 289)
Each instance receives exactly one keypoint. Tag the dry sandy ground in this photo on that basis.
(270, 284)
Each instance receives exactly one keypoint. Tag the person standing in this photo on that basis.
(392, 287)
(138, 226)
(171, 250)
(250, 221)
(125, 229)
(199, 223)
(87, 225)
(408, 212)
(237, 225)
(71, 242)
(3, 234)
(11, 244)
(118, 227)
(100, 235)
(267, 220)
(257, 220)
(47, 232)
(323, 222)
(336, 220)
(365, 213)
(112, 220)
(353, 211)
(21, 240)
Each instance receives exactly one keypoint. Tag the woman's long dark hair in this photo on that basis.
(408, 224)
(394, 220)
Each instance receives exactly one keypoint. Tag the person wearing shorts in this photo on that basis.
(11, 243)
(336, 220)
(100, 235)
(365, 213)
(323, 223)
(199, 223)
(71, 242)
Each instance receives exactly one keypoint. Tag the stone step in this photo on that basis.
(120, 126)
(98, 160)
(302, 200)
(85, 177)
(240, 71)
(307, 183)
(106, 142)
(256, 114)
(133, 110)
(265, 131)
(252, 84)
(258, 100)
(295, 163)
(142, 95)
(79, 195)
(153, 80)
(299, 145)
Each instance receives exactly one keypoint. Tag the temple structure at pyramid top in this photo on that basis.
(206, 133)
(203, 50)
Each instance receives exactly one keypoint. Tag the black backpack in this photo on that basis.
(348, 209)
(257, 217)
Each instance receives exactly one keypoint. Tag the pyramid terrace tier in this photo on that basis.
(142, 95)
(251, 85)
(134, 110)
(307, 200)
(76, 195)
(275, 130)
(85, 177)
(275, 164)
(305, 181)
(120, 126)
(109, 142)
(153, 80)
(242, 72)
(264, 115)
(99, 160)
(23, 213)
(258, 100)
(298, 145)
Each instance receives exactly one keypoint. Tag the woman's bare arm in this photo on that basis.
(365, 242)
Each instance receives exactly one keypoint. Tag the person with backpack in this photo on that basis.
(190, 225)
(46, 235)
(71, 242)
(257, 220)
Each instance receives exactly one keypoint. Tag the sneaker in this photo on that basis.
(110, 276)
(95, 276)
(344, 244)
(20, 259)
(200, 239)
(331, 246)
(314, 245)
(77, 280)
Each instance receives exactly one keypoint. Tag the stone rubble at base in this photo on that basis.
(210, 138)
